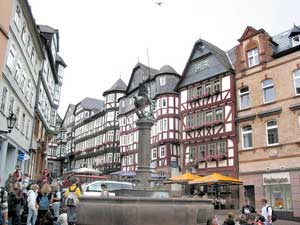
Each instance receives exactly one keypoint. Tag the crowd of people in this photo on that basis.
(40, 202)
(249, 216)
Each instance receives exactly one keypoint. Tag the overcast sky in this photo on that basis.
(102, 41)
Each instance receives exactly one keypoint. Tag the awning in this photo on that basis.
(215, 178)
(184, 178)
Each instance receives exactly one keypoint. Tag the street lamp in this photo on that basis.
(11, 122)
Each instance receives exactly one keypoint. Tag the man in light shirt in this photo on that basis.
(266, 212)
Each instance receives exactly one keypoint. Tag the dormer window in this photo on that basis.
(295, 40)
(162, 81)
(253, 58)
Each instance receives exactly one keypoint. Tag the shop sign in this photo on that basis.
(276, 178)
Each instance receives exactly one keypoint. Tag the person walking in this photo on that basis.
(19, 201)
(3, 206)
(266, 212)
(43, 200)
(56, 199)
(12, 205)
(72, 201)
(32, 204)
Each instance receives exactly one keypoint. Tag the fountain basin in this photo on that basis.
(143, 211)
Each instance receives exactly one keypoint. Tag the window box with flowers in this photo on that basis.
(217, 91)
(205, 94)
(219, 157)
(201, 160)
(210, 158)
(218, 122)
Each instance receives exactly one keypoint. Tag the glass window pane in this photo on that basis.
(272, 136)
(269, 94)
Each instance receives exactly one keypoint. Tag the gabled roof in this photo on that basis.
(250, 32)
(295, 31)
(70, 110)
(91, 104)
(119, 86)
(145, 71)
(217, 60)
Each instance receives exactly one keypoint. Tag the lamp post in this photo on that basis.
(11, 122)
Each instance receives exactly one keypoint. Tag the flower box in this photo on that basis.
(210, 158)
(220, 157)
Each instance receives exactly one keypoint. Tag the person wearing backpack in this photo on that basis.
(267, 212)
(43, 201)
(32, 204)
(72, 201)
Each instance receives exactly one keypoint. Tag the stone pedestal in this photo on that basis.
(143, 173)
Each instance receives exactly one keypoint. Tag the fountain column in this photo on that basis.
(143, 173)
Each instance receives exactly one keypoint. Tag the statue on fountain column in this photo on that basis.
(141, 101)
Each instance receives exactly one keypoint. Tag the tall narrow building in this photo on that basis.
(207, 114)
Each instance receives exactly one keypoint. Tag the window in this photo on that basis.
(11, 105)
(17, 16)
(22, 81)
(219, 114)
(209, 116)
(272, 133)
(165, 124)
(162, 151)
(217, 86)
(23, 123)
(23, 32)
(3, 99)
(164, 102)
(296, 40)
(200, 119)
(212, 149)
(202, 152)
(244, 98)
(17, 116)
(202, 65)
(11, 57)
(247, 137)
(268, 90)
(296, 75)
(18, 71)
(154, 153)
(221, 146)
(162, 81)
(190, 120)
(27, 128)
(253, 59)
(207, 89)
(199, 90)
(192, 153)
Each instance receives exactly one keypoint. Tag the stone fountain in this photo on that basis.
(142, 205)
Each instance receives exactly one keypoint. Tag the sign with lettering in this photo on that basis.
(276, 178)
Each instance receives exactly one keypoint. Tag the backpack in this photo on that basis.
(44, 203)
(274, 216)
(72, 200)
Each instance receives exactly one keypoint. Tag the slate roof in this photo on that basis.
(145, 71)
(295, 30)
(217, 60)
(283, 40)
(60, 60)
(92, 104)
(119, 86)
(166, 69)
(47, 29)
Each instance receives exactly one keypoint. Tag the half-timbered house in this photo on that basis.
(165, 146)
(207, 109)
(96, 131)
